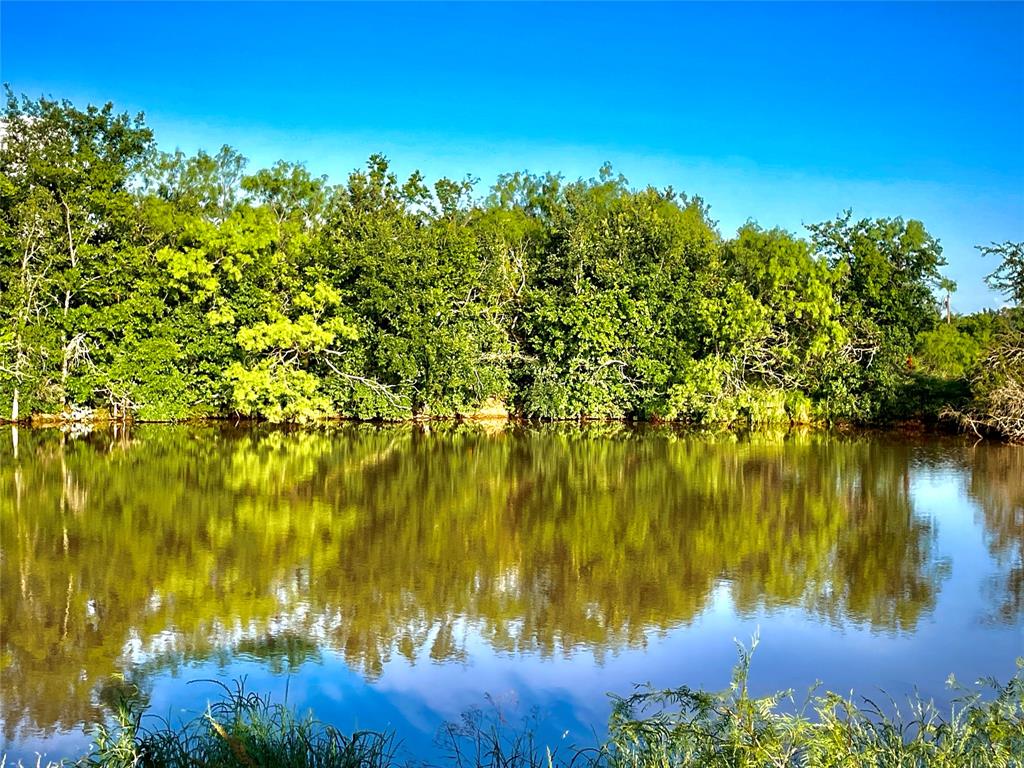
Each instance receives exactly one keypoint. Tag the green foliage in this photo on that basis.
(145, 376)
(1008, 277)
(886, 271)
(277, 391)
(162, 286)
(997, 382)
(888, 267)
(686, 727)
(239, 730)
(953, 350)
(800, 326)
(411, 270)
(627, 298)
(66, 243)
(648, 729)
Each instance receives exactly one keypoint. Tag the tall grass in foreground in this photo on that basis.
(649, 729)
(683, 727)
(242, 729)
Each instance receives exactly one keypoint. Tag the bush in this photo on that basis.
(998, 387)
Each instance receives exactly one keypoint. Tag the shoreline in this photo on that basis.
(940, 427)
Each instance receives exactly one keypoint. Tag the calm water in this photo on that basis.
(397, 577)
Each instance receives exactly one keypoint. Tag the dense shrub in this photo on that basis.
(161, 286)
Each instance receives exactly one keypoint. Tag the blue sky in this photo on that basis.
(784, 113)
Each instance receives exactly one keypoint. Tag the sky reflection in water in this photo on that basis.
(394, 577)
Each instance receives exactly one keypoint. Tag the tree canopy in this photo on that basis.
(161, 286)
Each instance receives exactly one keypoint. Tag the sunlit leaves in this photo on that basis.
(277, 390)
(391, 298)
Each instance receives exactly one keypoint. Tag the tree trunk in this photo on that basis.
(14, 406)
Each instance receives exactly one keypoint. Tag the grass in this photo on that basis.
(648, 729)
(241, 729)
(683, 727)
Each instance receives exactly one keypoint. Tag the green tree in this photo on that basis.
(164, 285)
(67, 209)
(801, 328)
(408, 263)
(625, 301)
(998, 384)
(891, 267)
(1008, 277)
(888, 268)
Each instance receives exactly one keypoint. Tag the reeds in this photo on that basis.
(648, 729)
(241, 730)
(683, 727)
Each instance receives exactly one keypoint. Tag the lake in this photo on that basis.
(397, 577)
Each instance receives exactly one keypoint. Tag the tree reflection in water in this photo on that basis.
(997, 484)
(123, 553)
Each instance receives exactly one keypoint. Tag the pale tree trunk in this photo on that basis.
(29, 285)
(73, 253)
(64, 375)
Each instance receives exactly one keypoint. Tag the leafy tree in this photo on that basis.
(891, 267)
(160, 286)
(948, 287)
(1008, 277)
(623, 300)
(950, 351)
(800, 328)
(410, 267)
(888, 269)
(67, 210)
(998, 383)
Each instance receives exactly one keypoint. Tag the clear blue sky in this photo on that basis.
(781, 113)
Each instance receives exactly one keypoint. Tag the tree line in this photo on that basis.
(160, 286)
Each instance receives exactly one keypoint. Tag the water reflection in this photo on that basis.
(124, 553)
(997, 483)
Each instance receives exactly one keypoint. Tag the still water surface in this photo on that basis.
(393, 578)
